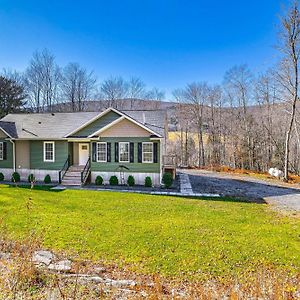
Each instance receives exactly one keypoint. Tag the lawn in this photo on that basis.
(156, 234)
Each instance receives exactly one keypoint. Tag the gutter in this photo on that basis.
(14, 154)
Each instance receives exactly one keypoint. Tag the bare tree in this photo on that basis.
(42, 79)
(114, 90)
(78, 85)
(238, 89)
(136, 90)
(289, 70)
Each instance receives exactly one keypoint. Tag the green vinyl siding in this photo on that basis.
(134, 167)
(98, 124)
(8, 162)
(37, 155)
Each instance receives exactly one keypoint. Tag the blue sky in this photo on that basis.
(166, 43)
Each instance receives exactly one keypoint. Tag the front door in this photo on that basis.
(84, 150)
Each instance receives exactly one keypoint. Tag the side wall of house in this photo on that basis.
(37, 155)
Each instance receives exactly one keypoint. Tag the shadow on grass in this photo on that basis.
(45, 188)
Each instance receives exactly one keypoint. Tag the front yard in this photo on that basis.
(175, 237)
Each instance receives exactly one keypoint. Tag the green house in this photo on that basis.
(74, 148)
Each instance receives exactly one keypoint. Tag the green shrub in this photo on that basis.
(31, 178)
(148, 182)
(47, 179)
(130, 180)
(1, 176)
(15, 177)
(99, 180)
(113, 180)
(167, 179)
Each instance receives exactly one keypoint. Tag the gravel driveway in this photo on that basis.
(282, 195)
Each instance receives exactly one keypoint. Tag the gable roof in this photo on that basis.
(62, 125)
(9, 129)
(129, 118)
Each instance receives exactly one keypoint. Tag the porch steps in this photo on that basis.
(73, 176)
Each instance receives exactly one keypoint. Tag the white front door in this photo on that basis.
(84, 150)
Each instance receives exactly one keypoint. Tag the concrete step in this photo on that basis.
(71, 182)
(72, 174)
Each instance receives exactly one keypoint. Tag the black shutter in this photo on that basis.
(108, 152)
(116, 152)
(4, 150)
(94, 151)
(140, 152)
(155, 152)
(131, 152)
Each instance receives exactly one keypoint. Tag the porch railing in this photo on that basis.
(64, 169)
(86, 171)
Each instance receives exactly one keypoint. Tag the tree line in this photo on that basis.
(249, 121)
(44, 85)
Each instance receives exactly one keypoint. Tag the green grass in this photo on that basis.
(156, 234)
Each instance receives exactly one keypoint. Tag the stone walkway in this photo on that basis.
(185, 184)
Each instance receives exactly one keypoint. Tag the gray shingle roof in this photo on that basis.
(58, 125)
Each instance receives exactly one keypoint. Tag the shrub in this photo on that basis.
(130, 180)
(148, 182)
(31, 178)
(99, 180)
(167, 179)
(113, 180)
(15, 177)
(47, 179)
(1, 176)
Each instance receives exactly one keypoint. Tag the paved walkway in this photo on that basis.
(284, 196)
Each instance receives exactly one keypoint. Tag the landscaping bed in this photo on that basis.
(139, 188)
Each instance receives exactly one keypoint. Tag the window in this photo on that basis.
(123, 152)
(49, 153)
(101, 152)
(1, 151)
(147, 152)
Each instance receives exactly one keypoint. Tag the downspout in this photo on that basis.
(14, 154)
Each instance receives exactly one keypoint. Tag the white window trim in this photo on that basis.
(103, 143)
(147, 162)
(44, 149)
(124, 161)
(1, 152)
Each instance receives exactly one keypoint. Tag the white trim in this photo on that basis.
(107, 126)
(44, 148)
(143, 161)
(93, 119)
(98, 143)
(124, 161)
(2, 151)
(5, 132)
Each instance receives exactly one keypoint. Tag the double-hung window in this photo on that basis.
(49, 151)
(147, 152)
(101, 152)
(1, 151)
(123, 152)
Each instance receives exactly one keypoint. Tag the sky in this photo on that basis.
(166, 43)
